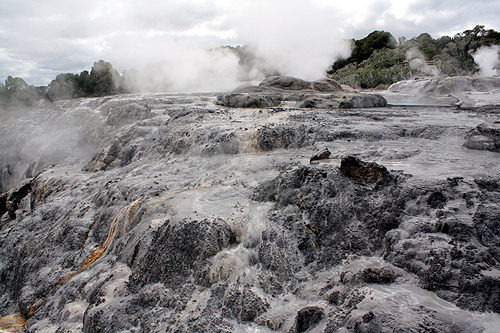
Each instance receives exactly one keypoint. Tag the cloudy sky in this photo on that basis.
(40, 39)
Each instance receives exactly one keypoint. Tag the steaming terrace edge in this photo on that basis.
(178, 214)
(275, 90)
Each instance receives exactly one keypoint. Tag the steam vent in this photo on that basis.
(288, 206)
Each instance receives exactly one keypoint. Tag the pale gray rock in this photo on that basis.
(188, 216)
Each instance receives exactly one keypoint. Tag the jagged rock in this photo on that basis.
(3, 203)
(487, 224)
(12, 199)
(364, 172)
(208, 219)
(324, 154)
(177, 251)
(243, 304)
(331, 229)
(308, 317)
(377, 275)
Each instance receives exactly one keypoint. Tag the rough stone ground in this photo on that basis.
(175, 214)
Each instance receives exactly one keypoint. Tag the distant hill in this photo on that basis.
(378, 60)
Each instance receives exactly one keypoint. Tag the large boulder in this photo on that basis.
(363, 172)
(180, 249)
(249, 100)
(363, 101)
(289, 83)
(285, 83)
(319, 94)
(485, 136)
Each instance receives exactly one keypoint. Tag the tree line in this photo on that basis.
(377, 60)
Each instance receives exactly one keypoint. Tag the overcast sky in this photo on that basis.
(40, 39)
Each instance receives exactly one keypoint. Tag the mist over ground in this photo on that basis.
(297, 38)
(41, 40)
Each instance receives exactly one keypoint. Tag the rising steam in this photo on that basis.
(186, 69)
(488, 59)
(297, 38)
(417, 62)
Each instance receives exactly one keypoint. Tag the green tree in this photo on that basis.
(16, 92)
(364, 48)
(64, 86)
(103, 80)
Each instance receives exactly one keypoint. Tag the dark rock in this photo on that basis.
(364, 172)
(436, 200)
(363, 101)
(3, 203)
(308, 317)
(249, 100)
(333, 217)
(222, 143)
(283, 136)
(480, 293)
(377, 275)
(12, 199)
(488, 184)
(487, 224)
(243, 304)
(177, 250)
(481, 142)
(367, 317)
(485, 136)
(456, 228)
(322, 155)
(319, 103)
(285, 83)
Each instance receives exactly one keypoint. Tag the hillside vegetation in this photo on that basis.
(376, 61)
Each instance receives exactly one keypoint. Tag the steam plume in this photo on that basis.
(487, 57)
(298, 38)
(417, 61)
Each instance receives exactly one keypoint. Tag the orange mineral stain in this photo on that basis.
(104, 246)
(13, 323)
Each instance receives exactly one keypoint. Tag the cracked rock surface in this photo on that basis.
(172, 213)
